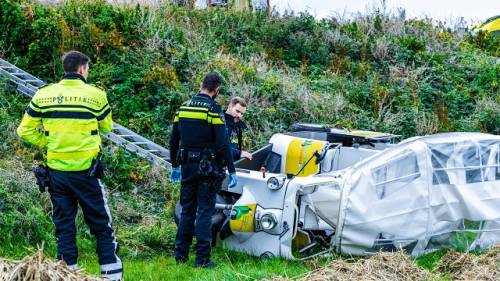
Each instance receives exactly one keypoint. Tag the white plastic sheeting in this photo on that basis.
(423, 194)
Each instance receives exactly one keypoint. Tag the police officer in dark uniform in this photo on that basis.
(235, 127)
(199, 144)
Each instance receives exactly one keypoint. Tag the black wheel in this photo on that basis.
(267, 255)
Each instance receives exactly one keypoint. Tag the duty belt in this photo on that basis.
(187, 155)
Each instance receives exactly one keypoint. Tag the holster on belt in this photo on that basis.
(42, 177)
(97, 168)
(212, 168)
(187, 155)
(208, 165)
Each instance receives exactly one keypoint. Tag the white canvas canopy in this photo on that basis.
(423, 194)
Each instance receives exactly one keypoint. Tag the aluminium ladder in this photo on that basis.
(28, 84)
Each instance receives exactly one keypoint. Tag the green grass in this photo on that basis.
(429, 261)
(230, 266)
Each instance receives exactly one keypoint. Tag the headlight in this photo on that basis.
(268, 221)
(273, 183)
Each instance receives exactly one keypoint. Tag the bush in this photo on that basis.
(150, 59)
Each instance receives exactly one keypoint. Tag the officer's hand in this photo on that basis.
(175, 176)
(246, 155)
(233, 180)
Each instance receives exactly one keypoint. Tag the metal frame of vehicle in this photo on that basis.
(417, 195)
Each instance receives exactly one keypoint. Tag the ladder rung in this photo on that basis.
(140, 142)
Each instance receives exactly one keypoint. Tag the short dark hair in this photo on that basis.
(72, 60)
(237, 100)
(211, 81)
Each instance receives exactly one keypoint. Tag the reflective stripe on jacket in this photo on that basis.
(199, 124)
(65, 119)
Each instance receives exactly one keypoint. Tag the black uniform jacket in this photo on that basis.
(235, 134)
(199, 124)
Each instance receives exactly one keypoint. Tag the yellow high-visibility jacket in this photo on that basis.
(65, 119)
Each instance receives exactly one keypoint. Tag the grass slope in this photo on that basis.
(142, 218)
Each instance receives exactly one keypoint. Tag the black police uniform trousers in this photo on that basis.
(197, 199)
(67, 190)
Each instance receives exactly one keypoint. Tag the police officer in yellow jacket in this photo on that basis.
(65, 119)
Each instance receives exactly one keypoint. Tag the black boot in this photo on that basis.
(208, 264)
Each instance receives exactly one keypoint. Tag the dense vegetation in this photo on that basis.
(377, 72)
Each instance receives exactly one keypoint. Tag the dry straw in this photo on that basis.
(460, 266)
(399, 266)
(39, 268)
(382, 266)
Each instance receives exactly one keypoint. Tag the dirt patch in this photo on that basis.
(460, 266)
(39, 268)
